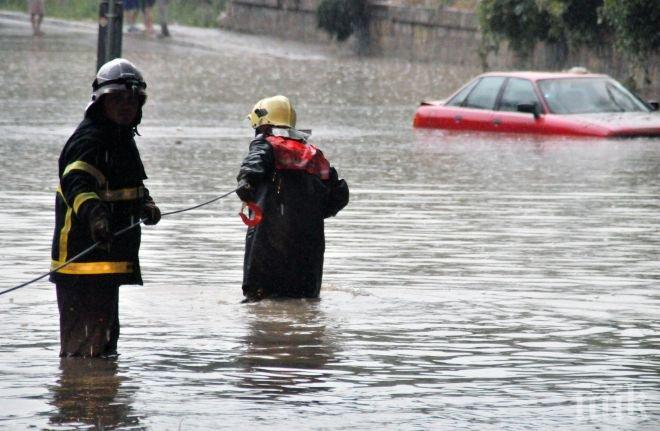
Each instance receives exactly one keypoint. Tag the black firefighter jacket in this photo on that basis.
(100, 163)
(284, 253)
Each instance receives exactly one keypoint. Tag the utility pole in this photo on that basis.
(110, 31)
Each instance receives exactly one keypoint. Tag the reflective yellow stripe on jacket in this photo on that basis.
(92, 170)
(93, 268)
(81, 198)
(122, 194)
(85, 167)
(127, 194)
(64, 235)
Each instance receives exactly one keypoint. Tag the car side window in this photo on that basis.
(517, 91)
(484, 95)
(459, 98)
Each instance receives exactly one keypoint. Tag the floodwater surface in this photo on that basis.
(474, 282)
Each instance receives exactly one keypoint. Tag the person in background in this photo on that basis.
(163, 6)
(147, 7)
(130, 14)
(36, 11)
(296, 188)
(101, 191)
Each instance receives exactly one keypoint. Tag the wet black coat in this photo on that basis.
(284, 254)
(112, 154)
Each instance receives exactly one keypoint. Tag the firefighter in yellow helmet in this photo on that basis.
(296, 188)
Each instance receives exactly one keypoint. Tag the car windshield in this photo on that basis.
(588, 95)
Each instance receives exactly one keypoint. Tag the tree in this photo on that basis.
(580, 21)
(636, 24)
(524, 23)
(520, 22)
(630, 25)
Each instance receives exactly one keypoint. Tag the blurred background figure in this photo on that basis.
(130, 14)
(147, 11)
(162, 17)
(131, 11)
(36, 11)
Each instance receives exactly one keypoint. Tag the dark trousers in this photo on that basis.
(89, 319)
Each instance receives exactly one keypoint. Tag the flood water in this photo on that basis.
(474, 282)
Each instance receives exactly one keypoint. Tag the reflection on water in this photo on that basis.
(474, 282)
(89, 392)
(285, 349)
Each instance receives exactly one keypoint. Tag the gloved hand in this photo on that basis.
(150, 213)
(334, 177)
(338, 196)
(245, 191)
(99, 226)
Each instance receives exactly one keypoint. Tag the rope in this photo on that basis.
(116, 234)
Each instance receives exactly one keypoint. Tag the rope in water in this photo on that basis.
(114, 235)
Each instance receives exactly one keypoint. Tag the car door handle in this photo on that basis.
(458, 118)
(497, 121)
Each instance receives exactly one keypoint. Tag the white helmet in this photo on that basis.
(118, 75)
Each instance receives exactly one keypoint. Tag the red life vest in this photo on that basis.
(298, 155)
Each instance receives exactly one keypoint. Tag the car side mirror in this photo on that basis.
(530, 108)
(654, 105)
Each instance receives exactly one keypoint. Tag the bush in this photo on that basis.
(636, 23)
(632, 25)
(520, 22)
(200, 13)
(341, 18)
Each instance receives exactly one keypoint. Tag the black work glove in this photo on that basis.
(338, 196)
(245, 191)
(334, 177)
(99, 226)
(150, 213)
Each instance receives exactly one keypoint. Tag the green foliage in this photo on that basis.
(520, 22)
(341, 18)
(201, 13)
(73, 9)
(632, 25)
(637, 26)
(581, 23)
(524, 23)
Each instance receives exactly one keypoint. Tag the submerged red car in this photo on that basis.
(553, 103)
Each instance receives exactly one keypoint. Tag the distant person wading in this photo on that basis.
(101, 191)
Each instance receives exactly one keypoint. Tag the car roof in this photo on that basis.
(537, 76)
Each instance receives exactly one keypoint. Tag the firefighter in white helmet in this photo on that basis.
(101, 191)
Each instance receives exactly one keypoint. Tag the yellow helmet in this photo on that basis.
(274, 111)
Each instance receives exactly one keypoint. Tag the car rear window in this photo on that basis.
(484, 94)
(459, 98)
